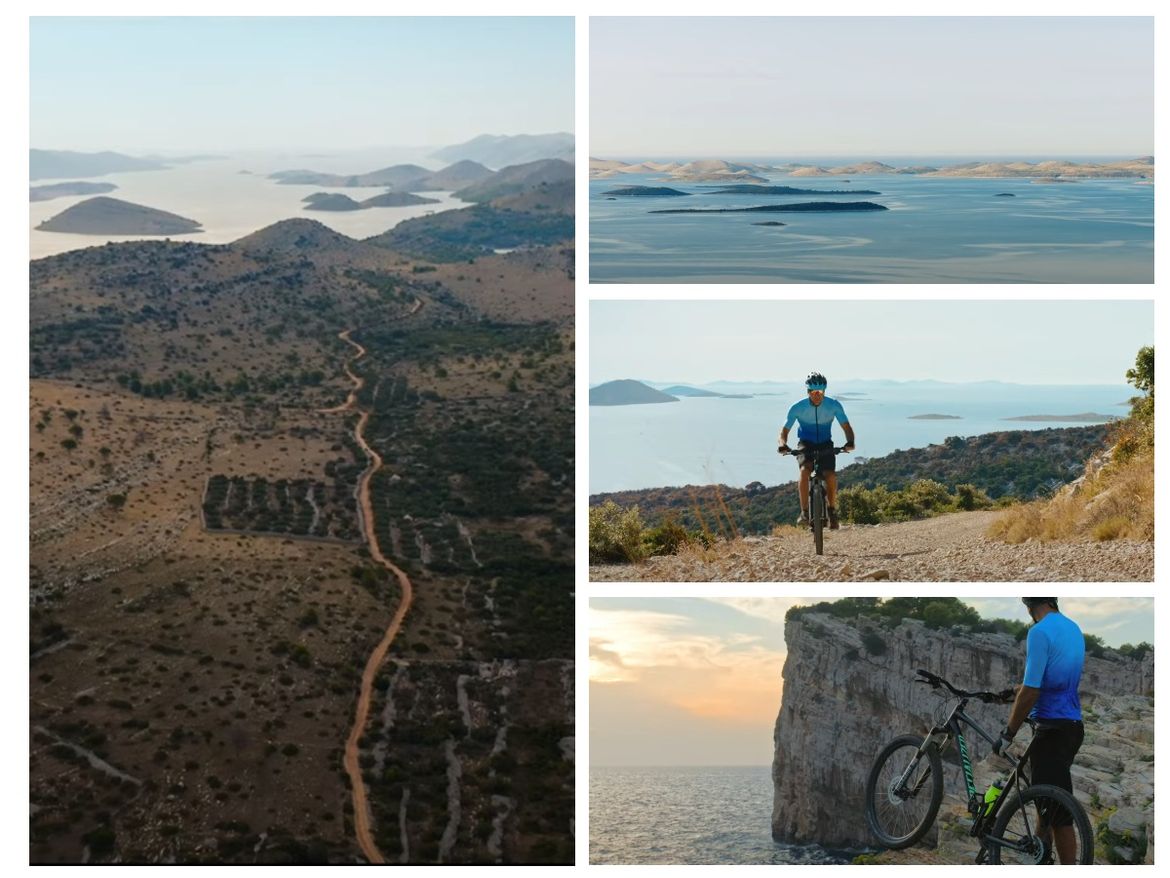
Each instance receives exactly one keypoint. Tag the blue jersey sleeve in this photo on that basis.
(1037, 658)
(842, 418)
(791, 419)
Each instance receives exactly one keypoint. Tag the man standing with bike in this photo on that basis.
(1049, 695)
(815, 439)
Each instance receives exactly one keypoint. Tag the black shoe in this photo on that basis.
(834, 524)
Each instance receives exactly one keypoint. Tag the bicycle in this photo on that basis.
(818, 503)
(905, 789)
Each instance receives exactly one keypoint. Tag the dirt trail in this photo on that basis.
(361, 814)
(949, 548)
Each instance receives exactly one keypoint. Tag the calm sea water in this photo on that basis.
(232, 197)
(718, 815)
(699, 441)
(937, 230)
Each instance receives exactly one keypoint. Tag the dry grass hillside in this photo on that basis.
(192, 689)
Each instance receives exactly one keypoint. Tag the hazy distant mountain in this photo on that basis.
(61, 190)
(49, 163)
(518, 178)
(708, 170)
(112, 216)
(626, 392)
(404, 178)
(499, 151)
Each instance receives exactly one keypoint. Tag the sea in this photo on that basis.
(937, 230)
(705, 440)
(232, 197)
(704, 816)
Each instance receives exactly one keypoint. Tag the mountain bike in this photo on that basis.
(1013, 820)
(818, 502)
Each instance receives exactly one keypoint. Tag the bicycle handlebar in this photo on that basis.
(785, 450)
(1005, 696)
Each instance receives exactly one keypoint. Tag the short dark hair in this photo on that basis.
(1035, 602)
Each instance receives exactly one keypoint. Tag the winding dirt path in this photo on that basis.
(361, 812)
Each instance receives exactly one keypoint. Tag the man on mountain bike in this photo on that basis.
(1052, 675)
(816, 414)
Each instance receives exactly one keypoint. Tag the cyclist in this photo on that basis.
(816, 414)
(1052, 675)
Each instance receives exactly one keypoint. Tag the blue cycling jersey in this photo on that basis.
(1056, 657)
(816, 421)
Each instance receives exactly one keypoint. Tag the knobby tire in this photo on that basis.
(1010, 826)
(926, 781)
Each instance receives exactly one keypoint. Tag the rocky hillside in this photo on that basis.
(848, 690)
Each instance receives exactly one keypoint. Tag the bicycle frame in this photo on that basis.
(940, 736)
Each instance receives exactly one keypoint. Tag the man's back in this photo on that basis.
(1056, 658)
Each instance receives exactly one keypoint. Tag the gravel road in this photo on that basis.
(949, 548)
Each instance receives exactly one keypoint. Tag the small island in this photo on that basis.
(805, 207)
(627, 392)
(646, 192)
(1005, 195)
(746, 189)
(112, 216)
(339, 202)
(934, 417)
(687, 390)
(62, 190)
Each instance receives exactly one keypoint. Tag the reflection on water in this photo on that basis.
(232, 198)
(937, 230)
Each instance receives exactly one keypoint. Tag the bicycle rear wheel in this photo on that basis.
(903, 792)
(1041, 825)
(817, 513)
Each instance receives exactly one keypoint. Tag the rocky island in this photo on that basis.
(112, 216)
(802, 207)
(931, 416)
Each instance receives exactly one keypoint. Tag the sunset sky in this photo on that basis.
(691, 681)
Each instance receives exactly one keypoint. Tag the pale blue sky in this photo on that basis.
(872, 87)
(219, 84)
(690, 681)
(1024, 342)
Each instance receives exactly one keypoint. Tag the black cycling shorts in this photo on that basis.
(822, 450)
(1056, 744)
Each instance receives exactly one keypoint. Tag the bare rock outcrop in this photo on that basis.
(849, 689)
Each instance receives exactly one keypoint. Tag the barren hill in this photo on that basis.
(103, 215)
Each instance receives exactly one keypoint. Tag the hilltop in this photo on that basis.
(401, 178)
(516, 179)
(61, 190)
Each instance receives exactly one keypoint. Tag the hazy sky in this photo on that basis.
(220, 84)
(679, 681)
(1026, 342)
(872, 87)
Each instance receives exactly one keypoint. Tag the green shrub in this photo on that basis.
(873, 643)
(615, 534)
(668, 538)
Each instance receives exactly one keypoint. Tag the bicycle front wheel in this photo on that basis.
(1041, 825)
(903, 792)
(817, 511)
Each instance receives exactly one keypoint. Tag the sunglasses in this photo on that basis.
(817, 389)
